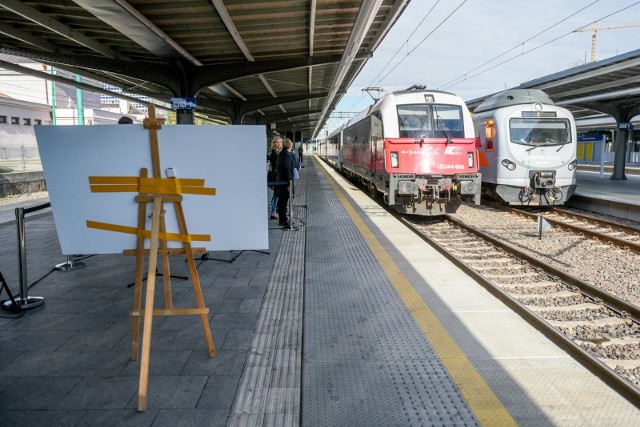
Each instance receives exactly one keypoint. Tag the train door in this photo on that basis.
(377, 142)
(377, 154)
(487, 152)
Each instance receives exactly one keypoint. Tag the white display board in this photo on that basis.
(230, 159)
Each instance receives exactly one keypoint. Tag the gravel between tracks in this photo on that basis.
(607, 267)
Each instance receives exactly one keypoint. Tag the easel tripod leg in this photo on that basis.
(196, 280)
(166, 274)
(137, 293)
(148, 304)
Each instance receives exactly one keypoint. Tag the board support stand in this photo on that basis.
(157, 191)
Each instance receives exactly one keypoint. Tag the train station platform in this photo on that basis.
(350, 320)
(598, 193)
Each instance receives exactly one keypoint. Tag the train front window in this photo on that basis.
(430, 121)
(538, 132)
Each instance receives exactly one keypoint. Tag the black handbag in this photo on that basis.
(271, 177)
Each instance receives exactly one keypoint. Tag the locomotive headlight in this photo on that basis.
(508, 164)
(573, 164)
(394, 159)
(470, 160)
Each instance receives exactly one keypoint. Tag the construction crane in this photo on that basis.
(594, 37)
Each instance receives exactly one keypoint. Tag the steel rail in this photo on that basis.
(598, 221)
(577, 229)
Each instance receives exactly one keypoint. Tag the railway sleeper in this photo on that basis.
(602, 324)
(482, 256)
(467, 249)
(512, 267)
(478, 255)
(528, 274)
(588, 311)
(484, 259)
(454, 239)
(605, 342)
(626, 364)
(533, 287)
(563, 298)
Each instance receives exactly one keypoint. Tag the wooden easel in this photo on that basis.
(158, 191)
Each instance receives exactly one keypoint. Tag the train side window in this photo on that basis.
(489, 135)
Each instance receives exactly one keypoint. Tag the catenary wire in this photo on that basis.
(402, 47)
(540, 46)
(518, 45)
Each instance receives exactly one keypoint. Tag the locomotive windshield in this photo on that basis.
(540, 131)
(430, 121)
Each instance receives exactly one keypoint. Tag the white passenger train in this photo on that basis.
(528, 148)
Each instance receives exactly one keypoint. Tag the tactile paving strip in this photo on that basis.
(269, 389)
(365, 362)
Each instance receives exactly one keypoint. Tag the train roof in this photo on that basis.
(414, 89)
(514, 97)
(411, 90)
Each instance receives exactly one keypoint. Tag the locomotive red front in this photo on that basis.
(417, 148)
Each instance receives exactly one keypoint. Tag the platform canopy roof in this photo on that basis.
(286, 62)
(610, 86)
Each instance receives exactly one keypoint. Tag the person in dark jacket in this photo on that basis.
(285, 174)
(276, 147)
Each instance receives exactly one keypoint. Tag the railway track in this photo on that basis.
(606, 231)
(597, 328)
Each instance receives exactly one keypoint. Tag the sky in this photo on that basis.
(444, 44)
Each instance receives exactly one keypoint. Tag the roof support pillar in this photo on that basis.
(184, 117)
(622, 113)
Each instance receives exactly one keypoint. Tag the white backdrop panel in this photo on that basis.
(229, 158)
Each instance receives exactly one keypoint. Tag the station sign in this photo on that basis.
(627, 126)
(183, 103)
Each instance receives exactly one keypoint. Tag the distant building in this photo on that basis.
(17, 119)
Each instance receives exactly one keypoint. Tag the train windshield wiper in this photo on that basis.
(444, 127)
(420, 135)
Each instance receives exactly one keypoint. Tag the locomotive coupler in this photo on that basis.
(543, 179)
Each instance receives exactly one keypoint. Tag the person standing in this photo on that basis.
(276, 147)
(285, 174)
(300, 150)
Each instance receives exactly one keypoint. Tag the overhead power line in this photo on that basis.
(421, 41)
(464, 76)
(396, 53)
(418, 45)
(524, 52)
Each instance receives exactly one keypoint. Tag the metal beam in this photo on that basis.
(365, 18)
(123, 17)
(210, 75)
(71, 82)
(233, 31)
(43, 20)
(28, 38)
(292, 115)
(160, 74)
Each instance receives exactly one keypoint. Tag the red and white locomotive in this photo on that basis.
(417, 148)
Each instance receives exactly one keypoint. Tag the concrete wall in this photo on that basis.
(22, 182)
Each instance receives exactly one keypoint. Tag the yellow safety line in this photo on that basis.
(483, 402)
(147, 233)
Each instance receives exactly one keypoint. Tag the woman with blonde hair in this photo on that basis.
(285, 175)
(276, 147)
